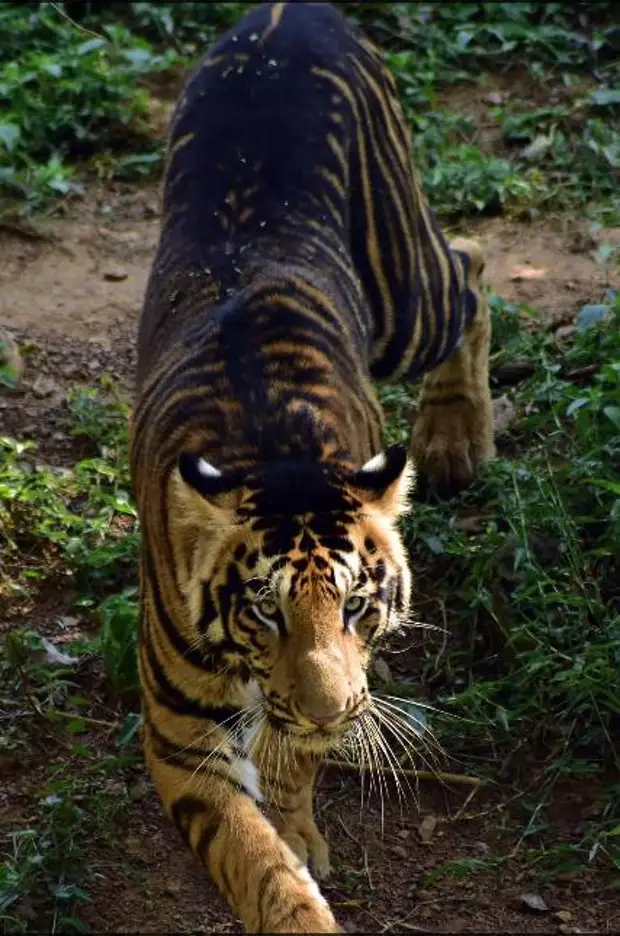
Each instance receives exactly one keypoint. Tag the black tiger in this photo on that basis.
(298, 261)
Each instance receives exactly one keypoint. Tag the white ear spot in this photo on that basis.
(375, 464)
(208, 470)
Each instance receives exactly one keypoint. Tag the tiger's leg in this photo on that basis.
(290, 809)
(262, 879)
(453, 432)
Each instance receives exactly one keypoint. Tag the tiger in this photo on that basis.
(298, 264)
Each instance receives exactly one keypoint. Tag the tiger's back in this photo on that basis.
(289, 145)
(298, 260)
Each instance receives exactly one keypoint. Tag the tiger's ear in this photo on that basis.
(386, 481)
(200, 482)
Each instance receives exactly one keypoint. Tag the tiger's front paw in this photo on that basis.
(452, 439)
(300, 832)
(311, 849)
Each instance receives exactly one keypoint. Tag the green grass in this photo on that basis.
(520, 573)
(79, 521)
(44, 877)
(78, 96)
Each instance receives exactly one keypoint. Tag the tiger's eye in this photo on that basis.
(354, 604)
(267, 606)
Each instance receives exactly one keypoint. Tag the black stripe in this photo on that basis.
(171, 697)
(264, 912)
(210, 830)
(183, 812)
(277, 925)
(209, 611)
(228, 595)
(178, 642)
(169, 751)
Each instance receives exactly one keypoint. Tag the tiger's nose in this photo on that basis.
(326, 715)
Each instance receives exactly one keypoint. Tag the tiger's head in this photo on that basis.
(295, 572)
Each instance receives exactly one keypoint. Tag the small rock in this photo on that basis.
(495, 97)
(481, 900)
(564, 916)
(115, 274)
(404, 834)
(426, 829)
(172, 889)
(482, 848)
(534, 902)
(504, 413)
(400, 851)
(151, 210)
(140, 789)
(45, 386)
(67, 622)
(564, 331)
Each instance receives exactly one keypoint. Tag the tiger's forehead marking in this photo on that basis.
(313, 575)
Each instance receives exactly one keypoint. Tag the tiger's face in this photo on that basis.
(296, 573)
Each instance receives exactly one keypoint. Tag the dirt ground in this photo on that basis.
(71, 289)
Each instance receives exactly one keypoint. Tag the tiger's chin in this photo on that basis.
(313, 741)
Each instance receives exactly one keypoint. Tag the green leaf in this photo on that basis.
(613, 413)
(90, 45)
(463, 38)
(590, 315)
(9, 135)
(612, 486)
(76, 726)
(129, 729)
(434, 543)
(604, 96)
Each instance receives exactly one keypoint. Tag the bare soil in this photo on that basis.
(70, 293)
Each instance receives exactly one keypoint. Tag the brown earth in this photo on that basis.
(70, 292)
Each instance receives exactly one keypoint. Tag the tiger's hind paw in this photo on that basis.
(451, 440)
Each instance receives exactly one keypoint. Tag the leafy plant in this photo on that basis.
(118, 640)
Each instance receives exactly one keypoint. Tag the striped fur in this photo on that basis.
(298, 260)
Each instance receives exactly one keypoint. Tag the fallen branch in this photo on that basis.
(512, 373)
(87, 719)
(440, 776)
(51, 715)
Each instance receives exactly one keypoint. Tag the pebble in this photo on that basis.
(115, 274)
(534, 902)
(400, 851)
(45, 386)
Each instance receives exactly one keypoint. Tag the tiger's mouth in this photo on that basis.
(313, 735)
